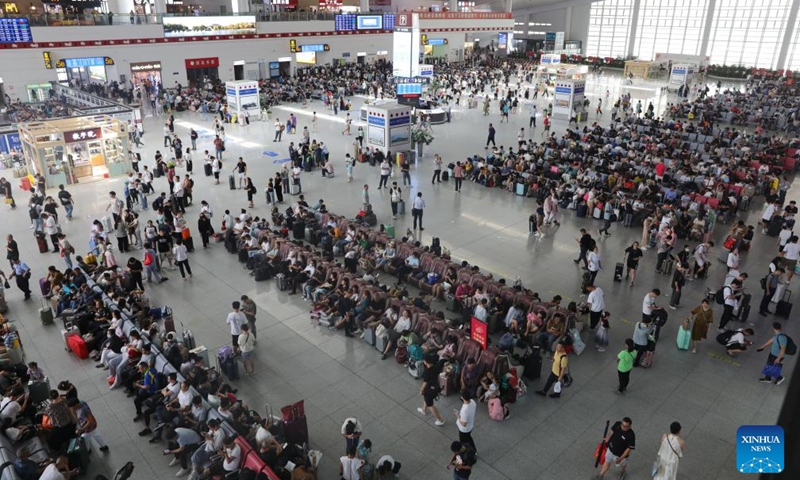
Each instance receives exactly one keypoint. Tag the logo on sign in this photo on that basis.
(403, 20)
(759, 449)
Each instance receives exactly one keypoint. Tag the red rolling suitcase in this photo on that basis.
(41, 241)
(295, 425)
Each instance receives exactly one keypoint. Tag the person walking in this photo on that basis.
(87, 424)
(465, 419)
(678, 281)
(249, 309)
(701, 324)
(641, 336)
(586, 242)
(437, 169)
(625, 360)
(66, 201)
(594, 262)
(557, 372)
(533, 113)
(417, 207)
(458, 176)
(395, 196)
(621, 441)
(349, 164)
(596, 302)
(490, 138)
(773, 279)
(8, 192)
(150, 263)
(730, 300)
(429, 390)
(67, 250)
(777, 352)
(22, 273)
(246, 343)
(181, 256)
(405, 169)
(669, 454)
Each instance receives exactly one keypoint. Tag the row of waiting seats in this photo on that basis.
(162, 365)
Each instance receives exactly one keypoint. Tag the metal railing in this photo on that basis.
(94, 19)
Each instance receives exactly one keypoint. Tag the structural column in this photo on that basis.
(634, 23)
(712, 7)
(791, 24)
(364, 5)
(453, 5)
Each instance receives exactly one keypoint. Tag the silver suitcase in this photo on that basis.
(380, 343)
(369, 336)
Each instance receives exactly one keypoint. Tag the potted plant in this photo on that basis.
(419, 138)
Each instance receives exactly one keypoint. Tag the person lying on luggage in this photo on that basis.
(738, 343)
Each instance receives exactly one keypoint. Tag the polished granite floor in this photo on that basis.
(708, 393)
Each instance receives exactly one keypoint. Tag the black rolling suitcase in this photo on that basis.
(78, 455)
(532, 363)
(189, 244)
(775, 226)
(784, 306)
(231, 182)
(280, 280)
(299, 230)
(619, 270)
(207, 169)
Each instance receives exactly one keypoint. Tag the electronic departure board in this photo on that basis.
(351, 22)
(345, 23)
(15, 30)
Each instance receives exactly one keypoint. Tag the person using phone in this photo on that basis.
(182, 441)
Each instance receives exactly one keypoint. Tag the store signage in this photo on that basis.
(85, 62)
(318, 47)
(345, 54)
(425, 70)
(379, 121)
(563, 90)
(464, 15)
(48, 60)
(83, 135)
(194, 26)
(207, 62)
(502, 40)
(380, 2)
(478, 332)
(437, 41)
(145, 66)
(393, 122)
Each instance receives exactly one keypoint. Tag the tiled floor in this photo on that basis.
(338, 377)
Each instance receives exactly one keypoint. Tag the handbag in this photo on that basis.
(6, 285)
(557, 387)
(772, 370)
(656, 466)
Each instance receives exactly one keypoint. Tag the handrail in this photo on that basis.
(105, 19)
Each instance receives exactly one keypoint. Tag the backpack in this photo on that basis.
(791, 347)
(148, 258)
(725, 337)
(719, 297)
(496, 410)
(415, 352)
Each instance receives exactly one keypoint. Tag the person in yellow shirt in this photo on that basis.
(557, 371)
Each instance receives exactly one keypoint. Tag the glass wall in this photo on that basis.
(749, 33)
(743, 32)
(609, 28)
(670, 26)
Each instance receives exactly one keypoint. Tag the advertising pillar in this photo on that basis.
(243, 95)
(406, 43)
(568, 98)
(681, 74)
(389, 127)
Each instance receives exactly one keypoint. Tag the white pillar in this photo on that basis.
(240, 6)
(364, 5)
(453, 5)
(634, 21)
(712, 5)
(509, 5)
(787, 36)
(160, 6)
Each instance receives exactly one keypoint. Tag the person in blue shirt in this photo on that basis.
(22, 273)
(145, 388)
(777, 351)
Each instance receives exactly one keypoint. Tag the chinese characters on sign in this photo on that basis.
(83, 135)
(208, 62)
(478, 332)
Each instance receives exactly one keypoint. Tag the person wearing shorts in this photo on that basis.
(621, 442)
(430, 388)
(247, 344)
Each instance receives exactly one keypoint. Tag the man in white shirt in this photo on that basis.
(769, 211)
(387, 464)
(55, 469)
(417, 206)
(13, 404)
(597, 304)
(350, 465)
(386, 170)
(649, 304)
(213, 444)
(465, 419)
(236, 319)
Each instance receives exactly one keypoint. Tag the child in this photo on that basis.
(35, 373)
(601, 337)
